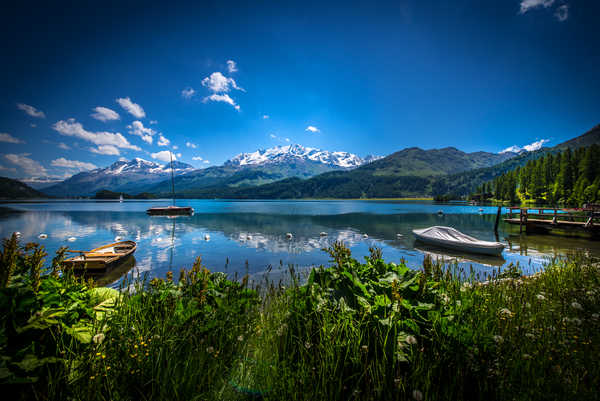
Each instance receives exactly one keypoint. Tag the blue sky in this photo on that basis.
(84, 85)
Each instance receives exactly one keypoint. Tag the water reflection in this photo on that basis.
(250, 242)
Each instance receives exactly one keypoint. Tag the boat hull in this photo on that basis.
(170, 211)
(490, 248)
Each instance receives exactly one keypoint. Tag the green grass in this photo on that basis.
(366, 330)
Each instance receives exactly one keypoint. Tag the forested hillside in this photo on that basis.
(566, 178)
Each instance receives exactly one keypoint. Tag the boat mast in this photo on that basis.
(172, 180)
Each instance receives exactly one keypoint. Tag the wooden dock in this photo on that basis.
(586, 220)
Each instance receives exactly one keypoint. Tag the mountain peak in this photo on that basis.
(297, 152)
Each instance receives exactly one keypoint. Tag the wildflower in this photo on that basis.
(504, 312)
(364, 348)
(411, 340)
(156, 337)
(417, 395)
(530, 335)
(576, 305)
(498, 339)
(240, 338)
(465, 286)
(528, 305)
(307, 345)
(540, 297)
(210, 350)
(458, 303)
(98, 338)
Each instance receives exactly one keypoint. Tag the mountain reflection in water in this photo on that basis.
(241, 242)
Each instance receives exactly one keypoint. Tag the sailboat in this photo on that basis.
(171, 210)
(121, 198)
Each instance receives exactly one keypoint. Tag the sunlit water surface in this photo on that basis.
(240, 237)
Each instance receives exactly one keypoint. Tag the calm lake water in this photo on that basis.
(250, 236)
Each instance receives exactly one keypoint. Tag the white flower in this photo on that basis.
(498, 339)
(465, 286)
(576, 305)
(458, 303)
(307, 345)
(540, 297)
(417, 395)
(411, 340)
(530, 335)
(240, 338)
(505, 312)
(98, 338)
(445, 298)
(210, 350)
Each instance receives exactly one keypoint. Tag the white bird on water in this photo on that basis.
(118, 238)
(248, 237)
(399, 235)
(72, 239)
(323, 234)
(43, 236)
(289, 236)
(365, 236)
(207, 237)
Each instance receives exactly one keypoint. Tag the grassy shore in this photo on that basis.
(354, 331)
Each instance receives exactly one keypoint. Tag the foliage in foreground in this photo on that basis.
(364, 331)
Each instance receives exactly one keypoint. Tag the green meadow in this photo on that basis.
(354, 330)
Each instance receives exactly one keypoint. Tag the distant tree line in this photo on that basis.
(567, 178)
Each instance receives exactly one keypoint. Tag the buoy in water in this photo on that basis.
(118, 238)
(248, 237)
(207, 237)
(323, 234)
(72, 239)
(399, 235)
(289, 236)
(42, 236)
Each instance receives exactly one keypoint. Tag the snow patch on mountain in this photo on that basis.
(281, 154)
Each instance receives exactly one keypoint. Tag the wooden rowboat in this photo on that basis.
(101, 258)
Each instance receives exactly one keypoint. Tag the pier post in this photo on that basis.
(497, 220)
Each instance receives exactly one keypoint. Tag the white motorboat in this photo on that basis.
(448, 237)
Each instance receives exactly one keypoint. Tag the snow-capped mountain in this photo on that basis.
(291, 153)
(122, 176)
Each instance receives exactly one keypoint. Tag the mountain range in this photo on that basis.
(295, 171)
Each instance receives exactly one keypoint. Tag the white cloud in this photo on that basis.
(29, 166)
(265, 116)
(106, 150)
(529, 148)
(152, 122)
(175, 147)
(219, 83)
(64, 146)
(191, 145)
(312, 129)
(273, 136)
(527, 5)
(179, 155)
(206, 162)
(9, 138)
(30, 110)
(562, 13)
(74, 164)
(137, 128)
(104, 114)
(123, 159)
(188, 93)
(287, 139)
(132, 108)
(197, 158)
(231, 66)
(222, 98)
(106, 141)
(163, 155)
(162, 141)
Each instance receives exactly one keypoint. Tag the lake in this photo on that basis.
(250, 236)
